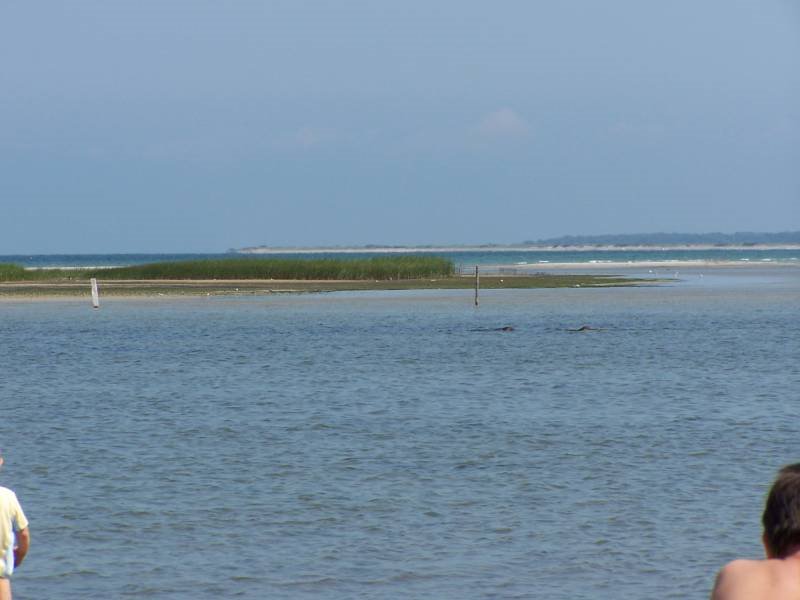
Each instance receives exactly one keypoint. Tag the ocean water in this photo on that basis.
(522, 259)
(395, 444)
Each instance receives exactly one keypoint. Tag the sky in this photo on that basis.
(200, 126)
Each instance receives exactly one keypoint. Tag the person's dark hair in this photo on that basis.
(781, 517)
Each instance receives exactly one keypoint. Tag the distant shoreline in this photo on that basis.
(510, 248)
(616, 266)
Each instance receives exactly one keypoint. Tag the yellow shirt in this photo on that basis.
(12, 519)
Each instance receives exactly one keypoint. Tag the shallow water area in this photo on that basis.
(397, 444)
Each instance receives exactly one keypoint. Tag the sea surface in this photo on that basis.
(523, 259)
(396, 444)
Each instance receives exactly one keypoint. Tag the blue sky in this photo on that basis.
(169, 126)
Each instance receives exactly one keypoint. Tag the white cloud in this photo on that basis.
(503, 123)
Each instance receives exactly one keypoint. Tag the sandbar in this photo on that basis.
(194, 288)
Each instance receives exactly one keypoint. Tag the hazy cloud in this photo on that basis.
(503, 123)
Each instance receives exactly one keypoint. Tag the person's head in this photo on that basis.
(781, 517)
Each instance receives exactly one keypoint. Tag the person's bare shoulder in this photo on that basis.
(745, 579)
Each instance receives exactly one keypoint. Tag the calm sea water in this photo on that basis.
(393, 445)
(522, 258)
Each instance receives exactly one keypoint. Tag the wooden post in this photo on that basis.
(95, 294)
(477, 284)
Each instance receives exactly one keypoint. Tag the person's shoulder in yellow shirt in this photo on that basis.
(14, 538)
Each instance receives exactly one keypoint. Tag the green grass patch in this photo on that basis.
(381, 268)
(9, 272)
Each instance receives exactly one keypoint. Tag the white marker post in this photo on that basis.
(95, 294)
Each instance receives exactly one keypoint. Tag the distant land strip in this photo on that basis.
(633, 241)
(740, 238)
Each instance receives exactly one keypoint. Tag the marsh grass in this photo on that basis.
(380, 268)
(9, 272)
